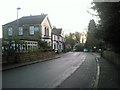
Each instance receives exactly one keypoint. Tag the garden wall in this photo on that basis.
(24, 57)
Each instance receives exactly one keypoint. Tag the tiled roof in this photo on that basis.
(57, 31)
(28, 20)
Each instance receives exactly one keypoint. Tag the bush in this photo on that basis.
(33, 49)
(43, 44)
(79, 48)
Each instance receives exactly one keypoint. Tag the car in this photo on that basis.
(85, 50)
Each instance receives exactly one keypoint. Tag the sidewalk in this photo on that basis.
(12, 66)
(109, 74)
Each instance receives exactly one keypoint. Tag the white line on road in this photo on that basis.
(69, 72)
(98, 73)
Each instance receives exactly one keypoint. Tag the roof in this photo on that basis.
(37, 19)
(57, 31)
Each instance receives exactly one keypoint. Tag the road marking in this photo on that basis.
(98, 73)
(75, 54)
(67, 73)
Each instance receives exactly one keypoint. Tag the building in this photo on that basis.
(58, 39)
(83, 37)
(29, 29)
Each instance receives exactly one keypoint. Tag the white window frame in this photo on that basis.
(20, 31)
(31, 30)
(10, 31)
(56, 37)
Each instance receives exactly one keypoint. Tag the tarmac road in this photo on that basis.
(72, 70)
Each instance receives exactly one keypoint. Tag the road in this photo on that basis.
(72, 70)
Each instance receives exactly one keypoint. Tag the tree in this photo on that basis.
(92, 41)
(108, 27)
(77, 36)
(70, 39)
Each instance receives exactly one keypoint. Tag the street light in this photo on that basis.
(17, 14)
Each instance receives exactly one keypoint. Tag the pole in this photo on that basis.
(17, 17)
(17, 14)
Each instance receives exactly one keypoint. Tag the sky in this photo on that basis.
(70, 15)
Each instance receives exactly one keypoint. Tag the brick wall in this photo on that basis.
(27, 57)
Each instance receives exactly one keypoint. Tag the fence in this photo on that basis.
(113, 57)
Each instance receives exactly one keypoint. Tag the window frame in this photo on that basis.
(31, 30)
(20, 31)
(10, 31)
(36, 28)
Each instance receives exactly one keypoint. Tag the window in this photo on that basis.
(31, 30)
(54, 37)
(45, 31)
(59, 46)
(36, 28)
(20, 32)
(54, 46)
(58, 37)
(10, 31)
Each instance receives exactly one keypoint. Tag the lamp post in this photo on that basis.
(17, 27)
(17, 14)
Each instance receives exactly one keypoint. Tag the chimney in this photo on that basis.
(42, 13)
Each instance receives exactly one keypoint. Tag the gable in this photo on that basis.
(46, 22)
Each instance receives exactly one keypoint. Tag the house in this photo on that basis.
(29, 29)
(58, 39)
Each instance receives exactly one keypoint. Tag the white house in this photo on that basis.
(57, 39)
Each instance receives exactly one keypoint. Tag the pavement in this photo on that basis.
(109, 74)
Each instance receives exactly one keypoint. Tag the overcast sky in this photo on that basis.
(70, 15)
